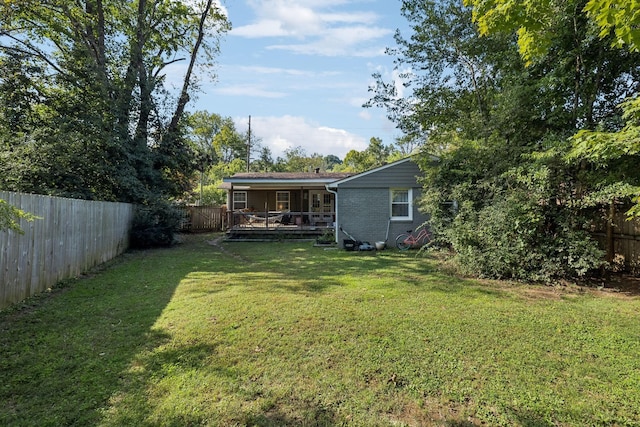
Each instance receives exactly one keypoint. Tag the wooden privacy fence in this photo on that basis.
(203, 218)
(624, 238)
(71, 237)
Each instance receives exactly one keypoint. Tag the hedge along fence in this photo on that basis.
(71, 237)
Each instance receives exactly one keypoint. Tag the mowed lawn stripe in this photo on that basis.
(288, 334)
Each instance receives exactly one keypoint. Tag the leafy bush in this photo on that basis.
(327, 237)
(155, 224)
(517, 222)
(513, 239)
(211, 195)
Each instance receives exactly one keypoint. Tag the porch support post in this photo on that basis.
(335, 207)
(231, 220)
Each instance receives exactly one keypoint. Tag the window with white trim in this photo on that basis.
(401, 208)
(282, 200)
(239, 200)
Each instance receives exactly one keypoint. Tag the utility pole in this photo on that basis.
(249, 145)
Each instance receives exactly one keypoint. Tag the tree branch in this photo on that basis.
(184, 94)
(30, 50)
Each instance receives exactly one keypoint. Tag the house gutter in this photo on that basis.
(335, 193)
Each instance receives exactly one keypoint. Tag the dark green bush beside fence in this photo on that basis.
(155, 225)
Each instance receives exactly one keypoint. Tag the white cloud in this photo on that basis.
(249, 90)
(341, 41)
(264, 28)
(325, 3)
(281, 133)
(319, 33)
(280, 18)
(351, 18)
(255, 69)
(365, 115)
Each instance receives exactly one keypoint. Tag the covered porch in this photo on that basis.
(280, 205)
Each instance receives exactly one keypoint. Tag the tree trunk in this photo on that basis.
(184, 94)
(96, 33)
(144, 83)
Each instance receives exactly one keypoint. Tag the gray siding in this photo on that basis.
(364, 204)
(364, 213)
(401, 175)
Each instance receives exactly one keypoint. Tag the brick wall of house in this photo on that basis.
(364, 213)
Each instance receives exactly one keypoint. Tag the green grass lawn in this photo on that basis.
(275, 334)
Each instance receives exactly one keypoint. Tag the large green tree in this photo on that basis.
(502, 195)
(609, 150)
(376, 154)
(100, 121)
(608, 153)
(534, 20)
(220, 150)
(296, 159)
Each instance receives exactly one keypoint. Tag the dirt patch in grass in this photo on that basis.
(614, 284)
(536, 292)
(623, 284)
(431, 412)
(217, 243)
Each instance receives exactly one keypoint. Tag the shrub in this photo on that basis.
(521, 223)
(155, 224)
(213, 196)
(514, 239)
(327, 237)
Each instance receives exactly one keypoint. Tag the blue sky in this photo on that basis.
(302, 69)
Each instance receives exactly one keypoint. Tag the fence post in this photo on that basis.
(610, 239)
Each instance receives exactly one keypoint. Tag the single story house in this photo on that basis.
(364, 205)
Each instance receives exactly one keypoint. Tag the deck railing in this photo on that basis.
(279, 219)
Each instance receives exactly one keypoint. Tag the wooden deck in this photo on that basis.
(276, 232)
(245, 226)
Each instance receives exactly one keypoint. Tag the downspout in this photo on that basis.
(230, 217)
(335, 193)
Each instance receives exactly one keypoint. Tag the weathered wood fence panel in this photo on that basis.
(71, 237)
(203, 218)
(626, 243)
